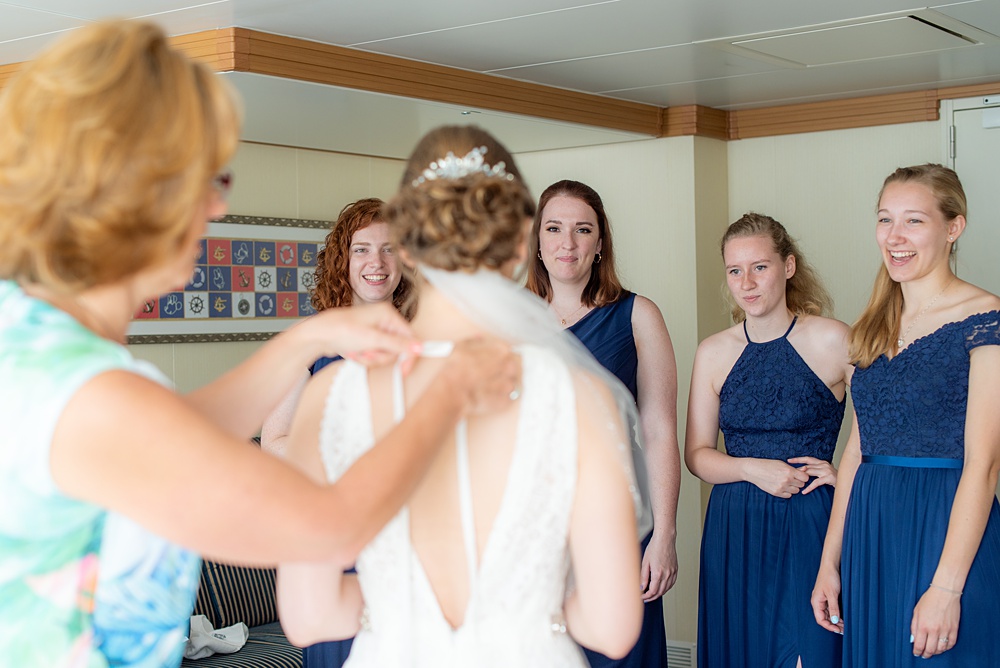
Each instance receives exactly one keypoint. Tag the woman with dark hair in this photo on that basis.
(573, 269)
(111, 150)
(475, 570)
(915, 531)
(775, 385)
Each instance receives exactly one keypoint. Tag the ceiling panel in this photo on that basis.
(960, 67)
(616, 27)
(652, 67)
(360, 23)
(18, 22)
(94, 10)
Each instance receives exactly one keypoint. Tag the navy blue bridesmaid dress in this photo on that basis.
(911, 414)
(331, 654)
(760, 553)
(607, 333)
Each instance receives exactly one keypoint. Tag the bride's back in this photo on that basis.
(474, 570)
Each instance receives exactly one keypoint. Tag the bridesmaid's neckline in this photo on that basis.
(761, 343)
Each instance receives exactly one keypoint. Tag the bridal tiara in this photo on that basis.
(451, 167)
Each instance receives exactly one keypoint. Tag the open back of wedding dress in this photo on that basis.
(517, 585)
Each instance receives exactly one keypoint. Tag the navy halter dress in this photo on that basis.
(911, 414)
(607, 333)
(760, 553)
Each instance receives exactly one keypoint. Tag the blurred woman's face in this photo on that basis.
(373, 270)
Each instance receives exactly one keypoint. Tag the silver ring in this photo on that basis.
(515, 394)
(945, 639)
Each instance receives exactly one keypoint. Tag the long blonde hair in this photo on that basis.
(804, 292)
(875, 331)
(109, 142)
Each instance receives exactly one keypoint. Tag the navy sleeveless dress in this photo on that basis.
(760, 553)
(332, 654)
(607, 333)
(911, 414)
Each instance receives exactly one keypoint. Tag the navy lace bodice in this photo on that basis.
(773, 406)
(914, 404)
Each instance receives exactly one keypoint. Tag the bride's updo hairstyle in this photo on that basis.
(461, 205)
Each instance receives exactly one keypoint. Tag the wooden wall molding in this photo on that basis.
(244, 50)
(834, 115)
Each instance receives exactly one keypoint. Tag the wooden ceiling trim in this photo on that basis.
(293, 58)
(244, 50)
(695, 120)
(975, 90)
(834, 115)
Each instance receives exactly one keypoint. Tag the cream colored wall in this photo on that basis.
(279, 182)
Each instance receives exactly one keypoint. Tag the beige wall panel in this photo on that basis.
(385, 176)
(197, 364)
(265, 183)
(648, 191)
(159, 354)
(329, 181)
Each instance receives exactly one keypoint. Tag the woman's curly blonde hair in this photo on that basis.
(465, 222)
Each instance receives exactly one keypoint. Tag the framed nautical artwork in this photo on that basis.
(252, 279)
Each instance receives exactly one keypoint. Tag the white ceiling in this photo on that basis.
(661, 52)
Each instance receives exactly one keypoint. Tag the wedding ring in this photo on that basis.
(944, 640)
(515, 394)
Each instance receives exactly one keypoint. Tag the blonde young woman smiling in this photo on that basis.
(915, 522)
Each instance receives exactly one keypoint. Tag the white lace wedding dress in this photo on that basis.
(514, 613)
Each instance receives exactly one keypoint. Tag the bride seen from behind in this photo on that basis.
(476, 569)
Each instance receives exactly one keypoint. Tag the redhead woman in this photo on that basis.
(357, 265)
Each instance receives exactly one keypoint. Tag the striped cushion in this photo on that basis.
(266, 647)
(239, 594)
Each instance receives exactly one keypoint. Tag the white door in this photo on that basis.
(977, 161)
(976, 158)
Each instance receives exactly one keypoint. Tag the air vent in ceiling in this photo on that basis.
(884, 36)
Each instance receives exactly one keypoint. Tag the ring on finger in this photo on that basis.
(944, 639)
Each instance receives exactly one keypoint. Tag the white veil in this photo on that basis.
(514, 314)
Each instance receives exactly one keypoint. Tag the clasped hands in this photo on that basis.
(781, 479)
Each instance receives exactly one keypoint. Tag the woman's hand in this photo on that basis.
(935, 622)
(825, 600)
(775, 477)
(487, 371)
(659, 567)
(823, 472)
(370, 334)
